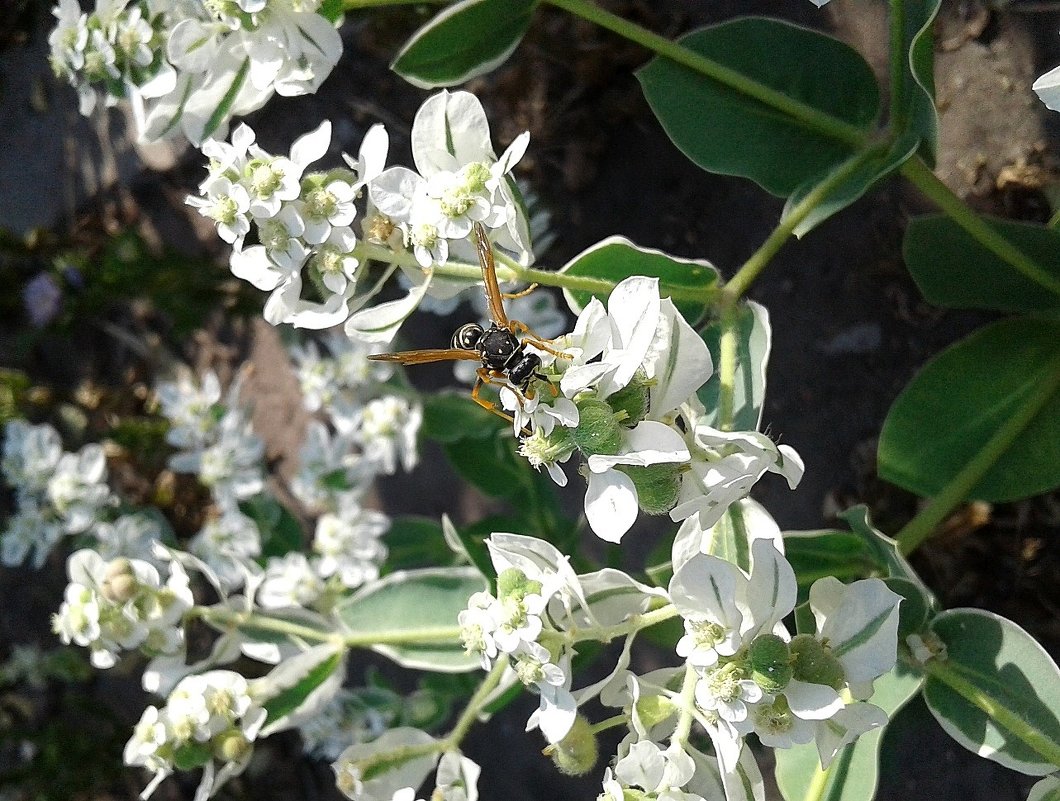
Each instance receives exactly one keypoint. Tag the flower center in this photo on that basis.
(320, 204)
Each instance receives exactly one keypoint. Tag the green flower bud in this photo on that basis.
(576, 754)
(658, 486)
(119, 581)
(770, 662)
(654, 709)
(230, 746)
(598, 431)
(514, 583)
(632, 399)
(814, 662)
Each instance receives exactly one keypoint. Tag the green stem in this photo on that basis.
(979, 229)
(727, 368)
(818, 784)
(793, 217)
(228, 617)
(609, 723)
(1054, 221)
(512, 271)
(687, 709)
(474, 706)
(921, 527)
(632, 624)
(808, 116)
(1037, 740)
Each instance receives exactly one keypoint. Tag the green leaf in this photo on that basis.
(871, 169)
(616, 258)
(726, 131)
(299, 686)
(224, 108)
(955, 271)
(465, 40)
(422, 605)
(331, 10)
(816, 554)
(854, 773)
(1048, 789)
(954, 406)
(414, 541)
(452, 416)
(280, 531)
(885, 550)
(754, 340)
(992, 664)
(915, 100)
(491, 465)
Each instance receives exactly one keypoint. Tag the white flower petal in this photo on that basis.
(610, 504)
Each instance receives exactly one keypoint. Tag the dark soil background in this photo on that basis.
(849, 326)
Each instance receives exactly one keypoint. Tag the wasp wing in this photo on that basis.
(494, 301)
(428, 355)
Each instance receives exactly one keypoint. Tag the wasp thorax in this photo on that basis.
(467, 336)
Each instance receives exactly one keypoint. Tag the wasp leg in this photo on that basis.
(494, 378)
(538, 342)
(522, 293)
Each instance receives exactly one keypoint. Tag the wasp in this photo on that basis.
(500, 349)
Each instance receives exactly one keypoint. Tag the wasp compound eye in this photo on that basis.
(467, 336)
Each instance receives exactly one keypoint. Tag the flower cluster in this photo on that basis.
(303, 247)
(122, 605)
(623, 395)
(57, 493)
(753, 676)
(188, 66)
(208, 718)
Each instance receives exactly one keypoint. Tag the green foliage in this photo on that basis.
(415, 601)
(281, 532)
(616, 258)
(414, 541)
(816, 554)
(303, 676)
(956, 271)
(1008, 371)
(872, 167)
(754, 340)
(996, 691)
(453, 416)
(468, 39)
(726, 131)
(914, 101)
(854, 773)
(14, 384)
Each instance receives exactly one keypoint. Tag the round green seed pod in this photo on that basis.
(576, 754)
(598, 431)
(813, 662)
(658, 486)
(633, 399)
(770, 662)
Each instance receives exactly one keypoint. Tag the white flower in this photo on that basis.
(290, 581)
(859, 622)
(230, 466)
(477, 625)
(727, 691)
(228, 205)
(30, 455)
(29, 529)
(270, 180)
(348, 542)
(133, 536)
(725, 466)
(192, 410)
(457, 778)
(227, 544)
(724, 608)
(1047, 87)
(77, 489)
(328, 468)
(386, 430)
